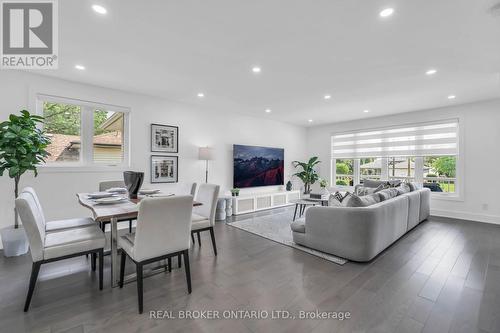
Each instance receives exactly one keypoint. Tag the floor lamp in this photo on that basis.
(205, 154)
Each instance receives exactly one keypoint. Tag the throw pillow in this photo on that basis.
(336, 199)
(413, 186)
(403, 188)
(363, 190)
(364, 201)
(388, 193)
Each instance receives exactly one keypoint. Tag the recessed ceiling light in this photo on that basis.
(200, 95)
(386, 12)
(310, 120)
(80, 67)
(366, 111)
(256, 69)
(452, 97)
(99, 9)
(268, 110)
(431, 72)
(327, 96)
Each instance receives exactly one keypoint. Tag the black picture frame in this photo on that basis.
(155, 148)
(155, 178)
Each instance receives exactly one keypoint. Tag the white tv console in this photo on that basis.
(249, 203)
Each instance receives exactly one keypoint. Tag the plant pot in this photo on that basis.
(14, 241)
(133, 181)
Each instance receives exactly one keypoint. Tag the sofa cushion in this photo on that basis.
(376, 183)
(387, 194)
(363, 201)
(402, 189)
(364, 190)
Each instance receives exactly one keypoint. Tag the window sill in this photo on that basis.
(81, 169)
(446, 197)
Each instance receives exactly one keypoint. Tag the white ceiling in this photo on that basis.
(306, 49)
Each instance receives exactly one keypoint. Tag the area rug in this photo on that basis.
(276, 227)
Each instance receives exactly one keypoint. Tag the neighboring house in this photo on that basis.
(401, 168)
(66, 148)
(108, 147)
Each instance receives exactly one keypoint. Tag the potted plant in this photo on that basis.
(308, 175)
(22, 149)
(323, 184)
(235, 192)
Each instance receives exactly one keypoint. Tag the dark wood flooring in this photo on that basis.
(444, 276)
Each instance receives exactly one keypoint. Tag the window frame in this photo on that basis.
(458, 195)
(86, 161)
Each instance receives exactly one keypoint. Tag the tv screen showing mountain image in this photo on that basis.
(258, 166)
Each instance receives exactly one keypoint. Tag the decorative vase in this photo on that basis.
(133, 181)
(289, 186)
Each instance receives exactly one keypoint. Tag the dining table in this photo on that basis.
(124, 210)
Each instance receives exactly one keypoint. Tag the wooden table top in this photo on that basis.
(122, 210)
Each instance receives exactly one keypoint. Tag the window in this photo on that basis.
(440, 173)
(402, 168)
(344, 172)
(107, 142)
(63, 126)
(370, 168)
(84, 133)
(425, 153)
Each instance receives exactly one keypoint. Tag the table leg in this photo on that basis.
(294, 214)
(115, 276)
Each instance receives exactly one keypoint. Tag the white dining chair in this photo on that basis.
(185, 189)
(46, 247)
(58, 225)
(106, 185)
(162, 232)
(203, 218)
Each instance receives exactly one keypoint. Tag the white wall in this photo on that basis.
(480, 153)
(197, 127)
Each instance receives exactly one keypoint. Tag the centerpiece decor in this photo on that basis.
(133, 181)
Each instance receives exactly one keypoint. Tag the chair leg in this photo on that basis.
(169, 263)
(199, 239)
(35, 268)
(101, 267)
(93, 262)
(185, 254)
(212, 235)
(139, 286)
(130, 226)
(179, 260)
(122, 267)
(192, 237)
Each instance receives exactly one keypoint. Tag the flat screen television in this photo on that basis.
(258, 166)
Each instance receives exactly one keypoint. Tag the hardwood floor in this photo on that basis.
(444, 276)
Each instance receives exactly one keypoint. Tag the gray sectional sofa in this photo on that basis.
(361, 233)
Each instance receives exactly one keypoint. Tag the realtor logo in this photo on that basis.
(29, 34)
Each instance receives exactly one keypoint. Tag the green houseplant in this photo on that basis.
(22, 149)
(308, 175)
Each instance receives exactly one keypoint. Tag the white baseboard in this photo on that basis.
(493, 219)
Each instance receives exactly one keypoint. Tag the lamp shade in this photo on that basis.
(205, 154)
